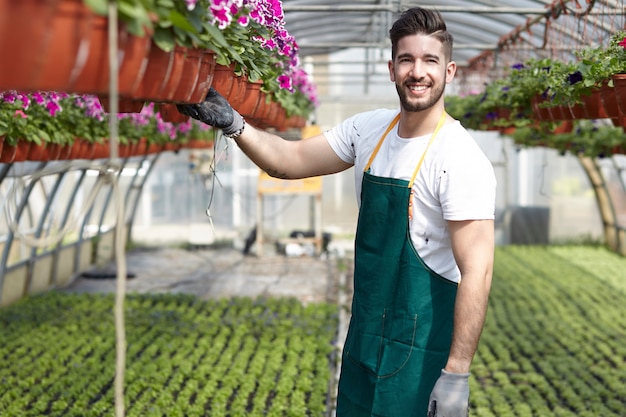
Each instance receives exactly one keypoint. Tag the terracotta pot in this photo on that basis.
(238, 92)
(100, 150)
(169, 113)
(177, 66)
(125, 105)
(540, 113)
(142, 147)
(199, 144)
(560, 113)
(593, 105)
(42, 41)
(44, 152)
(94, 74)
(153, 148)
(8, 154)
(22, 149)
(171, 147)
(65, 152)
(159, 69)
(248, 106)
(205, 77)
(578, 112)
(609, 102)
(224, 80)
(76, 149)
(189, 78)
(619, 84)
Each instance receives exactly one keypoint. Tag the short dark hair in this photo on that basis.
(419, 21)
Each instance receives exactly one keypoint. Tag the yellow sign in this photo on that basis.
(270, 185)
(313, 185)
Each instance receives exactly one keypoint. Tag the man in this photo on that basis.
(425, 234)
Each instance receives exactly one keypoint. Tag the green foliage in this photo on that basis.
(185, 357)
(552, 343)
(592, 138)
(599, 63)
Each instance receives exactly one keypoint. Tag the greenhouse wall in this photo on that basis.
(174, 202)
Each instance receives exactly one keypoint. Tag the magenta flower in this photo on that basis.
(53, 107)
(623, 43)
(285, 82)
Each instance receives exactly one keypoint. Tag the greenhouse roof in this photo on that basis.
(479, 28)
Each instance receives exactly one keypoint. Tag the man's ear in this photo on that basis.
(450, 71)
(392, 72)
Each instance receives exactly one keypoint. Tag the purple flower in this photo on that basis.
(574, 77)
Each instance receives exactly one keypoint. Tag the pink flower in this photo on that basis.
(20, 113)
(623, 43)
(53, 107)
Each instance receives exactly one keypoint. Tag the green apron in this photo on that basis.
(402, 312)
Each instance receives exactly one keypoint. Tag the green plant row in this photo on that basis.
(553, 339)
(185, 357)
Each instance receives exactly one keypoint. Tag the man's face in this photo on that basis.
(420, 72)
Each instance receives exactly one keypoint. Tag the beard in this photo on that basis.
(424, 103)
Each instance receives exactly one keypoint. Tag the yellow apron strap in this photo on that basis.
(380, 142)
(432, 138)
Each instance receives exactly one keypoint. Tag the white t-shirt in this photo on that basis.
(456, 180)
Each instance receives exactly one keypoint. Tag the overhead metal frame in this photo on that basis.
(323, 28)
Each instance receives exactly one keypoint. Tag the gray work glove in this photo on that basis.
(215, 111)
(450, 396)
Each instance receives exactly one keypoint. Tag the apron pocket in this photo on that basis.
(382, 345)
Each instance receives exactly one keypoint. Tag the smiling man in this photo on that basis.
(425, 233)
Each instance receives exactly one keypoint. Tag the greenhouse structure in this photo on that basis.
(149, 268)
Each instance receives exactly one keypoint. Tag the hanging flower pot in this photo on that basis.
(125, 105)
(540, 112)
(94, 75)
(224, 80)
(100, 150)
(8, 154)
(205, 77)
(578, 112)
(141, 147)
(593, 105)
(619, 85)
(199, 144)
(1, 146)
(41, 41)
(170, 113)
(609, 103)
(238, 92)
(190, 75)
(159, 70)
(65, 151)
(44, 152)
(176, 73)
(248, 106)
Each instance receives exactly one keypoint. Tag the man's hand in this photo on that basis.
(450, 396)
(214, 111)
